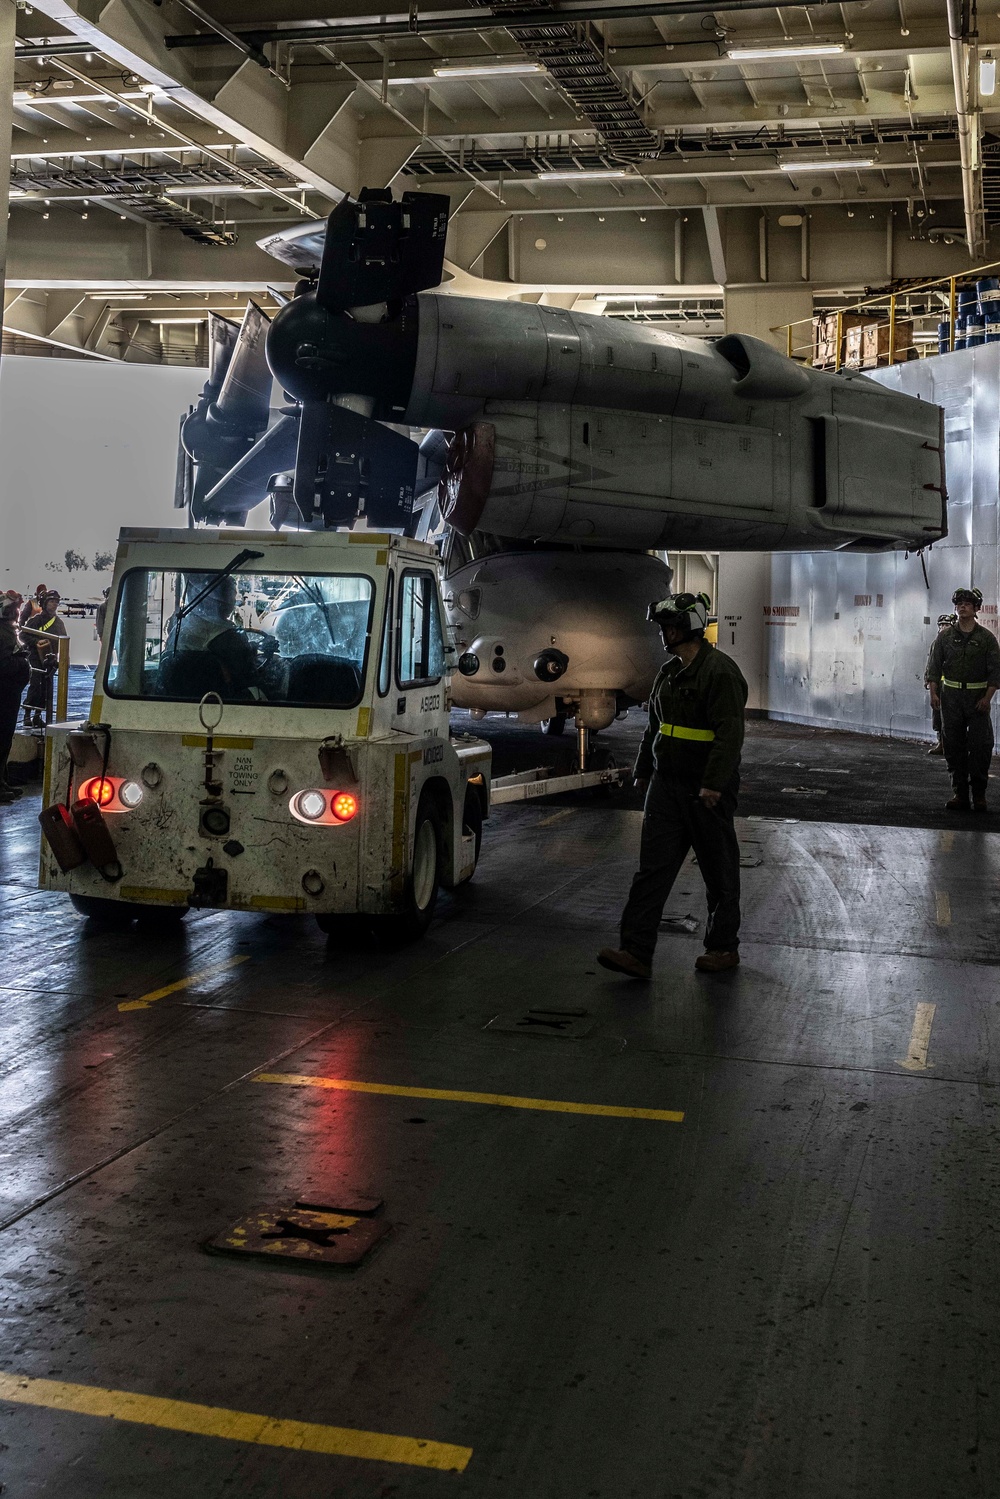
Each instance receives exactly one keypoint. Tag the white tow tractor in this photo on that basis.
(269, 732)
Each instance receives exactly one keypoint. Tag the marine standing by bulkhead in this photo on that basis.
(963, 673)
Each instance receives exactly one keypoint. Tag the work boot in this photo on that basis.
(936, 749)
(958, 803)
(979, 804)
(716, 962)
(620, 961)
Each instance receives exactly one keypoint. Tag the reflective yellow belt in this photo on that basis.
(972, 686)
(678, 731)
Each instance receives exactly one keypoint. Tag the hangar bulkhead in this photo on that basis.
(498, 644)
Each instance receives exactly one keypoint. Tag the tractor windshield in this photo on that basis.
(294, 639)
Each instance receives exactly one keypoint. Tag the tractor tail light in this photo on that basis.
(100, 790)
(344, 806)
(323, 808)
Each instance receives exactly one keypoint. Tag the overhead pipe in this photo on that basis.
(968, 128)
(438, 25)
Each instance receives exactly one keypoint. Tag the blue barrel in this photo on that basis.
(991, 325)
(944, 337)
(975, 332)
(967, 295)
(988, 296)
(960, 333)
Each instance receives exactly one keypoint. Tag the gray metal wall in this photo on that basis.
(848, 635)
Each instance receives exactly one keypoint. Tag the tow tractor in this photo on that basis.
(269, 731)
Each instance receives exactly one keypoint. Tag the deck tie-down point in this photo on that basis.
(561, 1025)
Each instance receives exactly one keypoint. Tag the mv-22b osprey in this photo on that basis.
(559, 449)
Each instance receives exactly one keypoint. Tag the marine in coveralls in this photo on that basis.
(688, 766)
(963, 673)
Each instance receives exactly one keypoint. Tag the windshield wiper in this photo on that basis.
(245, 556)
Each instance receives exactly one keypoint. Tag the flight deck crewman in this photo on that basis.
(688, 767)
(963, 673)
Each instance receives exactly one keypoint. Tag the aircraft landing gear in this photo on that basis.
(554, 725)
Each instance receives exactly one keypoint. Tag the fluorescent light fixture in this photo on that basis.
(472, 70)
(46, 155)
(987, 75)
(604, 174)
(489, 70)
(25, 95)
(828, 166)
(755, 54)
(622, 296)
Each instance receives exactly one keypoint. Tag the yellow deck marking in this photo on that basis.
(219, 741)
(566, 812)
(948, 841)
(235, 1426)
(942, 907)
(145, 1000)
(448, 1095)
(920, 1040)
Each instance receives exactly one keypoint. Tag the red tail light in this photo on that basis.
(100, 790)
(344, 806)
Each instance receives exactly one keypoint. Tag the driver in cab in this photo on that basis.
(206, 642)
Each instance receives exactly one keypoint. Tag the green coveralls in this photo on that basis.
(693, 739)
(962, 666)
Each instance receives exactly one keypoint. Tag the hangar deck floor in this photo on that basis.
(791, 1294)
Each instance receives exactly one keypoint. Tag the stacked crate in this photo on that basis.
(875, 344)
(825, 339)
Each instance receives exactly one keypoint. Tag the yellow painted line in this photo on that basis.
(277, 903)
(96, 707)
(920, 1040)
(219, 741)
(948, 841)
(154, 893)
(942, 908)
(448, 1095)
(234, 1426)
(145, 1000)
(566, 812)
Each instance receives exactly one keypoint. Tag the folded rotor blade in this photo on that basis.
(245, 485)
(244, 399)
(222, 336)
(378, 250)
(348, 466)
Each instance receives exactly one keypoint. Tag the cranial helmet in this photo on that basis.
(947, 619)
(685, 611)
(967, 596)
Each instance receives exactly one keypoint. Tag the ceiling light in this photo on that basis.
(819, 49)
(602, 175)
(24, 95)
(490, 70)
(149, 88)
(640, 296)
(828, 166)
(987, 75)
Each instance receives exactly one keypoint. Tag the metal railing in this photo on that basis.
(897, 306)
(61, 675)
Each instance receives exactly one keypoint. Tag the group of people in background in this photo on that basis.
(29, 655)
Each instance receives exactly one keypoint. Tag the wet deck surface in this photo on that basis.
(792, 1294)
